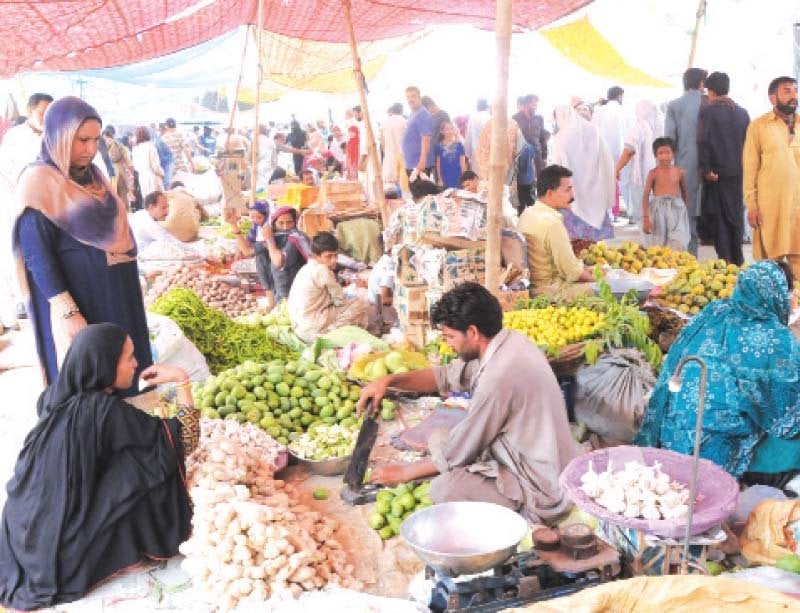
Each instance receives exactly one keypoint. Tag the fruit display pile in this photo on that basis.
(245, 223)
(222, 341)
(284, 398)
(230, 299)
(632, 257)
(393, 506)
(601, 322)
(697, 285)
(375, 365)
(554, 327)
(277, 324)
(324, 442)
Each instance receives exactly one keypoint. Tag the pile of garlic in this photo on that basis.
(637, 491)
(250, 537)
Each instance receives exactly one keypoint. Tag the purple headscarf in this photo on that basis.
(92, 214)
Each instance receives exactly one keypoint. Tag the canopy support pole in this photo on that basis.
(259, 78)
(498, 150)
(701, 11)
(372, 149)
(235, 104)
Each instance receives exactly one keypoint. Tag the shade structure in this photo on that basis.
(86, 34)
(580, 42)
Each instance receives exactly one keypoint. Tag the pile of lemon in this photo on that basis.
(555, 327)
(696, 286)
(632, 257)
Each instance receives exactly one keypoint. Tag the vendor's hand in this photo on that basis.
(390, 474)
(72, 325)
(712, 177)
(753, 218)
(421, 166)
(376, 390)
(164, 373)
(647, 225)
(616, 175)
(230, 216)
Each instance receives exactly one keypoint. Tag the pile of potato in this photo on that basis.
(230, 299)
(250, 536)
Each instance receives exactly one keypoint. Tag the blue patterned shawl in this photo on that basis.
(753, 375)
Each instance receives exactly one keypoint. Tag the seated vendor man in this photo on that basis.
(145, 222)
(317, 303)
(555, 269)
(515, 440)
(185, 213)
(280, 249)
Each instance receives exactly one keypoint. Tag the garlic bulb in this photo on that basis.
(636, 491)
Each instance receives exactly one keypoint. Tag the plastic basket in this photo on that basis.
(717, 491)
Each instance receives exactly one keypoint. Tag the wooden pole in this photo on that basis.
(259, 78)
(701, 11)
(372, 149)
(498, 150)
(235, 104)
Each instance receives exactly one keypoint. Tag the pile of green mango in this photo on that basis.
(284, 398)
(393, 506)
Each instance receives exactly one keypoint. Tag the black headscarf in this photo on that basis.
(89, 366)
(97, 485)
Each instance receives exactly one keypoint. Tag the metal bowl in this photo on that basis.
(464, 538)
(326, 468)
(620, 287)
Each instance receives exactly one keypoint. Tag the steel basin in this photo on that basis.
(326, 468)
(464, 538)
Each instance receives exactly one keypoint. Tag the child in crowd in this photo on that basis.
(451, 159)
(317, 303)
(664, 217)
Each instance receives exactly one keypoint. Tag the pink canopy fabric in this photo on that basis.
(84, 34)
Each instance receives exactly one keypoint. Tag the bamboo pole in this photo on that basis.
(235, 104)
(498, 151)
(372, 149)
(259, 78)
(701, 11)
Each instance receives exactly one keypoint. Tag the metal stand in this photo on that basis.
(675, 385)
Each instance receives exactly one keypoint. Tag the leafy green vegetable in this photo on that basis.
(224, 342)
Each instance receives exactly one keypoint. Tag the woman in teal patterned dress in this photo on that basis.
(752, 417)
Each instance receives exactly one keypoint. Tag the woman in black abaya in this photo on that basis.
(98, 485)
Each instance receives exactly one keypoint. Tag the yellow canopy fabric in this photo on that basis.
(580, 42)
(295, 63)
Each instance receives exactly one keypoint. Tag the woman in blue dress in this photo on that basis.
(73, 240)
(751, 422)
(451, 158)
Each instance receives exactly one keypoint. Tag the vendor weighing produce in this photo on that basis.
(515, 440)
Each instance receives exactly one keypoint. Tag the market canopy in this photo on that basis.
(85, 34)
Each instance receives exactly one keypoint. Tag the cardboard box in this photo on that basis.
(648, 555)
(416, 334)
(343, 195)
(276, 191)
(411, 303)
(463, 265)
(405, 271)
(508, 298)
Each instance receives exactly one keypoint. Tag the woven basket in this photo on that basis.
(569, 360)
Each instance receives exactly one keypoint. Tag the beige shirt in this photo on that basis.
(313, 299)
(183, 219)
(771, 177)
(516, 430)
(553, 264)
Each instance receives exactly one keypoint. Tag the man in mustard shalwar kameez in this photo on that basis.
(771, 171)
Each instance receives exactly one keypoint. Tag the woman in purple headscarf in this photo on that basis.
(280, 249)
(73, 243)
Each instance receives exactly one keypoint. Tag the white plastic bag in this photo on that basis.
(611, 395)
(170, 346)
